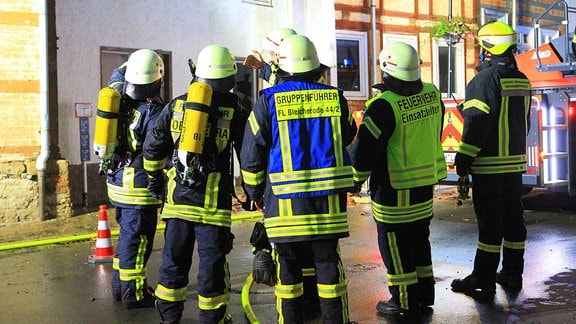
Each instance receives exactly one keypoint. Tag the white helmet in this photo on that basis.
(400, 61)
(215, 62)
(297, 54)
(144, 67)
(273, 39)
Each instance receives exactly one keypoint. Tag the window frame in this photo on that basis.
(487, 14)
(362, 39)
(459, 68)
(124, 53)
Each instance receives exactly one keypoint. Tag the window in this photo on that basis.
(245, 86)
(408, 39)
(442, 62)
(113, 57)
(351, 71)
(489, 15)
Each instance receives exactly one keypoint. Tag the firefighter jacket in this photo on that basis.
(399, 148)
(294, 157)
(127, 184)
(496, 116)
(208, 199)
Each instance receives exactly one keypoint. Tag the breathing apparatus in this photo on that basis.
(195, 128)
(106, 128)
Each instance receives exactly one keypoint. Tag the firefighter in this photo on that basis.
(198, 195)
(493, 150)
(297, 170)
(139, 80)
(267, 64)
(266, 61)
(398, 147)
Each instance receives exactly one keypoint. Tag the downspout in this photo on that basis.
(514, 14)
(450, 54)
(44, 111)
(375, 67)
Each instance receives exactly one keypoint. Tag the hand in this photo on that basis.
(357, 189)
(257, 204)
(462, 162)
(251, 205)
(254, 60)
(156, 184)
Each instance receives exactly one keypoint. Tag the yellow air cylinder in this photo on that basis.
(195, 120)
(106, 127)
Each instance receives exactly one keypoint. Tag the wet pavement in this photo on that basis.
(55, 283)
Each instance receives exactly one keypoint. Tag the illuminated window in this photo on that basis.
(351, 71)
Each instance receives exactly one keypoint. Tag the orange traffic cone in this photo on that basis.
(104, 249)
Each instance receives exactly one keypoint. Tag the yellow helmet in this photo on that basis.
(497, 37)
(215, 62)
(144, 67)
(273, 39)
(400, 61)
(297, 54)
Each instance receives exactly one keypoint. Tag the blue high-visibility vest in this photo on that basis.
(307, 157)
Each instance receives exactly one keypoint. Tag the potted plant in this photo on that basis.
(452, 30)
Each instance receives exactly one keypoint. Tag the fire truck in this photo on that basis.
(551, 141)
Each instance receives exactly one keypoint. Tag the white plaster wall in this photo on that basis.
(182, 27)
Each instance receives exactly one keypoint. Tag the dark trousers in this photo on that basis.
(498, 205)
(214, 243)
(133, 249)
(330, 280)
(405, 250)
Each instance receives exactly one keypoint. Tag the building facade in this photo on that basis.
(55, 57)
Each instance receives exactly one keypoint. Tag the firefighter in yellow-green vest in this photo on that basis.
(296, 167)
(398, 147)
(201, 128)
(493, 151)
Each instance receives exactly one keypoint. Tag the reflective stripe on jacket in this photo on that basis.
(496, 113)
(127, 186)
(307, 157)
(209, 199)
(415, 139)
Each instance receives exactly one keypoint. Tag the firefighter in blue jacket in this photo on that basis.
(398, 147)
(295, 165)
(198, 195)
(267, 65)
(139, 81)
(493, 150)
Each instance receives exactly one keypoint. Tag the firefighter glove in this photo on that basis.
(264, 269)
(254, 60)
(259, 238)
(156, 184)
(463, 187)
(252, 205)
(463, 163)
(357, 188)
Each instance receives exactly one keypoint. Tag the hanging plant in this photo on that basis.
(452, 30)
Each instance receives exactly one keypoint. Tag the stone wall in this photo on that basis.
(19, 196)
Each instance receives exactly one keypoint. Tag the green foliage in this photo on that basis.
(456, 29)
